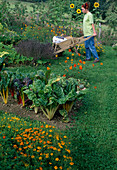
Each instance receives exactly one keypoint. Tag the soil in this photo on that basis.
(13, 107)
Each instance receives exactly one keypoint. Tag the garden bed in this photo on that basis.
(13, 107)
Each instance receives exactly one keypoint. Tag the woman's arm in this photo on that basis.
(94, 32)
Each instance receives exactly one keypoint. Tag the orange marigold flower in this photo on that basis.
(93, 65)
(80, 67)
(65, 61)
(64, 75)
(67, 58)
(71, 59)
(15, 146)
(80, 61)
(78, 64)
(60, 167)
(95, 87)
(79, 54)
(40, 168)
(48, 68)
(55, 167)
(71, 163)
(4, 137)
(75, 65)
(70, 67)
(69, 50)
(101, 63)
(83, 62)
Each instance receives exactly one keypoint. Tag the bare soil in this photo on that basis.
(13, 107)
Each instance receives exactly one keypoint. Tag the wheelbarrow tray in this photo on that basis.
(69, 43)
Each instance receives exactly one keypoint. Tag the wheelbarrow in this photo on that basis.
(67, 42)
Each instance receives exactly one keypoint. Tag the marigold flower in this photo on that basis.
(4, 137)
(69, 50)
(95, 87)
(80, 61)
(60, 167)
(71, 5)
(79, 54)
(78, 11)
(101, 63)
(72, 54)
(65, 136)
(15, 146)
(65, 61)
(71, 163)
(40, 158)
(75, 65)
(93, 65)
(64, 75)
(70, 67)
(56, 55)
(32, 156)
(48, 68)
(55, 167)
(96, 4)
(71, 59)
(57, 159)
(67, 58)
(80, 67)
(83, 62)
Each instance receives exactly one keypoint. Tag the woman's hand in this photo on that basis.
(94, 34)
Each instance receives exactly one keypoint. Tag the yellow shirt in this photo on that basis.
(87, 24)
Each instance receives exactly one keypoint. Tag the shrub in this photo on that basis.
(12, 56)
(33, 48)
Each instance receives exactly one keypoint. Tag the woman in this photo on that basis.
(89, 30)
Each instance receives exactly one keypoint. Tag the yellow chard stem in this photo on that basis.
(23, 100)
(2, 96)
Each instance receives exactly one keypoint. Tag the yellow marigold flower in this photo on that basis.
(51, 154)
(57, 159)
(72, 54)
(32, 156)
(48, 68)
(71, 5)
(55, 167)
(65, 136)
(26, 165)
(67, 58)
(78, 11)
(50, 163)
(21, 28)
(56, 55)
(96, 4)
(40, 158)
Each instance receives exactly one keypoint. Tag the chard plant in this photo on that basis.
(4, 85)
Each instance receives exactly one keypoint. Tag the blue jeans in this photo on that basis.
(90, 48)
